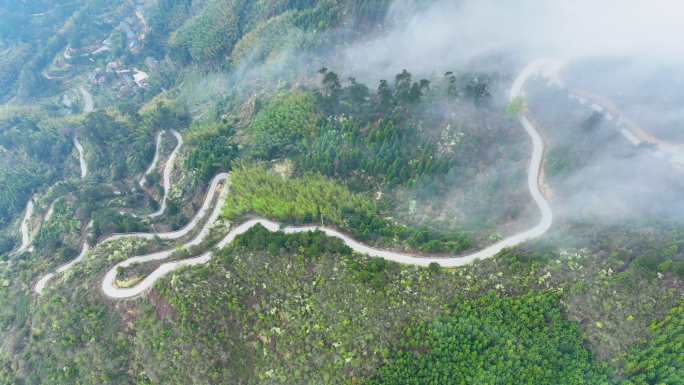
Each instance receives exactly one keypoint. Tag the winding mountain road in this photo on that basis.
(84, 166)
(170, 235)
(167, 185)
(43, 281)
(195, 220)
(674, 158)
(88, 99)
(550, 68)
(167, 174)
(24, 226)
(154, 160)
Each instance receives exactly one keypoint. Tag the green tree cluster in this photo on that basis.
(107, 221)
(560, 160)
(34, 151)
(210, 35)
(255, 189)
(10, 65)
(373, 227)
(283, 122)
(515, 107)
(660, 358)
(310, 243)
(493, 340)
(211, 155)
(51, 235)
(119, 146)
(396, 152)
(266, 39)
(592, 121)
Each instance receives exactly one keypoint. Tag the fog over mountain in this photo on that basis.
(341, 192)
(622, 51)
(421, 36)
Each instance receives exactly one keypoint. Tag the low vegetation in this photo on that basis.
(255, 189)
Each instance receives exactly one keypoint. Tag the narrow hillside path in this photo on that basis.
(24, 226)
(88, 99)
(170, 235)
(167, 174)
(167, 185)
(43, 281)
(84, 166)
(154, 160)
(195, 220)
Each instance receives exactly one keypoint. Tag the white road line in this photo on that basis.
(167, 174)
(84, 166)
(88, 99)
(24, 226)
(43, 281)
(154, 160)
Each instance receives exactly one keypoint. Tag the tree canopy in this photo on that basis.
(492, 340)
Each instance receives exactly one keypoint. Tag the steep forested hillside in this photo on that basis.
(153, 130)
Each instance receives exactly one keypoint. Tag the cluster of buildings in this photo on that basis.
(127, 79)
(131, 79)
(131, 37)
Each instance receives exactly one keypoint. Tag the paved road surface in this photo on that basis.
(170, 235)
(167, 174)
(154, 160)
(84, 166)
(88, 99)
(24, 226)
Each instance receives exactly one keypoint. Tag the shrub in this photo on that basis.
(678, 268)
(665, 265)
(625, 279)
(379, 281)
(648, 262)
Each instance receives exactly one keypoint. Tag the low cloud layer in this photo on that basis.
(447, 33)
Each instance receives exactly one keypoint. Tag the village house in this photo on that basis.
(111, 66)
(140, 12)
(92, 76)
(151, 63)
(121, 92)
(141, 79)
(130, 34)
(128, 79)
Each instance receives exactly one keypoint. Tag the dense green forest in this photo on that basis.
(424, 161)
(518, 339)
(330, 315)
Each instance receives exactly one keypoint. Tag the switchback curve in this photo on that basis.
(170, 235)
(167, 174)
(154, 160)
